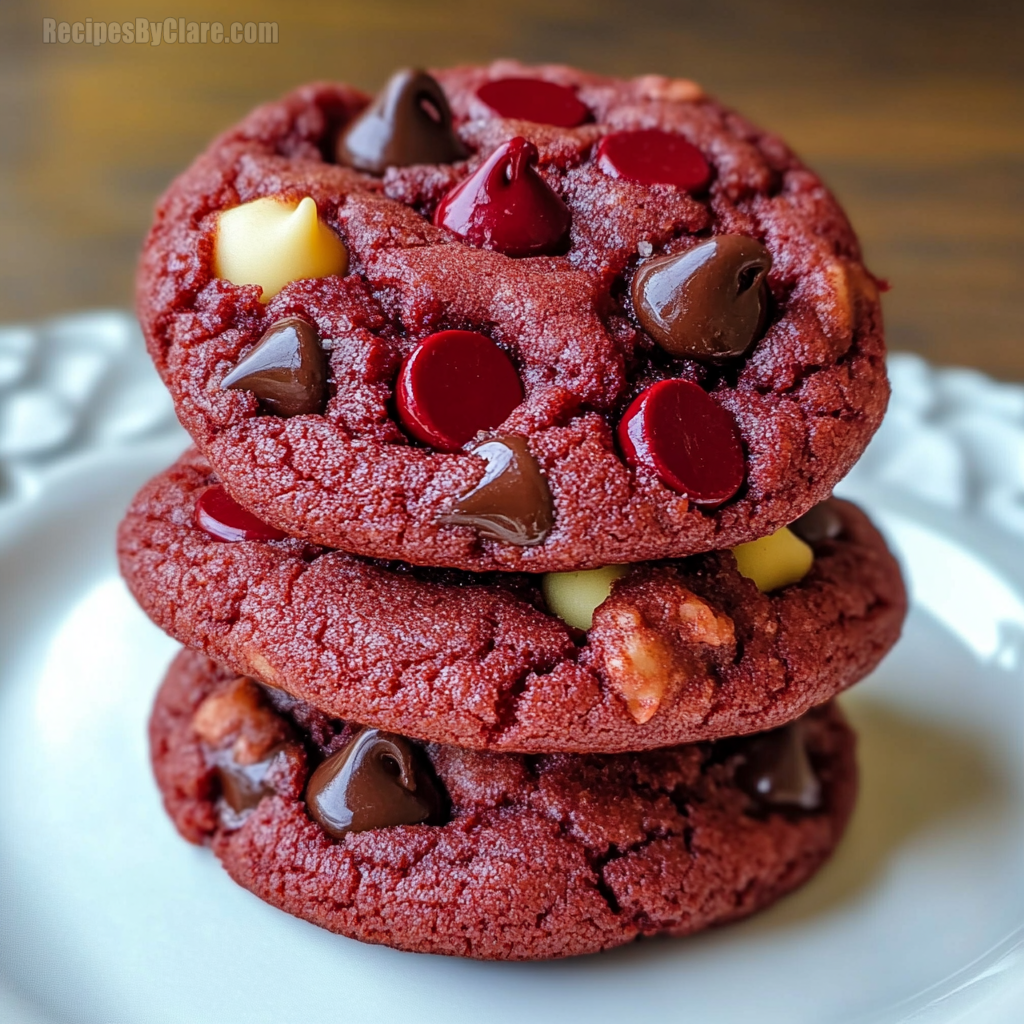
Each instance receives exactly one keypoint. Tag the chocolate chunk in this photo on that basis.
(243, 786)
(819, 524)
(709, 302)
(512, 502)
(287, 370)
(377, 780)
(409, 122)
(776, 770)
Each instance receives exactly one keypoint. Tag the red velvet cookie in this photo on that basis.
(493, 856)
(674, 330)
(680, 651)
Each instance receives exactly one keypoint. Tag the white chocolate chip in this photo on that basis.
(775, 561)
(573, 596)
(272, 242)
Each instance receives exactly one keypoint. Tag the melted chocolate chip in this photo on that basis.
(819, 524)
(512, 502)
(776, 770)
(377, 780)
(243, 786)
(709, 302)
(286, 371)
(409, 122)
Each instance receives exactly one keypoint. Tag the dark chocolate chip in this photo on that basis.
(512, 501)
(286, 371)
(709, 302)
(243, 786)
(776, 770)
(377, 780)
(819, 524)
(409, 122)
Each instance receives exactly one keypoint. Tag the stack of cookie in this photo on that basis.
(512, 589)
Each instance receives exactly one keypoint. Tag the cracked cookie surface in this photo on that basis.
(682, 650)
(543, 857)
(806, 398)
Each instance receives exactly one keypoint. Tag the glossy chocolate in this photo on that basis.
(453, 385)
(377, 780)
(505, 205)
(512, 501)
(776, 770)
(409, 122)
(219, 515)
(676, 429)
(287, 370)
(819, 524)
(243, 786)
(709, 302)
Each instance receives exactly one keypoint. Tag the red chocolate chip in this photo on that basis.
(453, 385)
(224, 519)
(533, 99)
(506, 205)
(650, 156)
(689, 440)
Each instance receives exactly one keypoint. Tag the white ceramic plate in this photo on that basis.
(107, 916)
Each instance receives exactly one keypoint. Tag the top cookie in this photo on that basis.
(641, 332)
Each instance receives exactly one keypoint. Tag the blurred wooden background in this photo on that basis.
(912, 109)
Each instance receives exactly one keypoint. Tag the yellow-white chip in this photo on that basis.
(272, 242)
(573, 596)
(774, 561)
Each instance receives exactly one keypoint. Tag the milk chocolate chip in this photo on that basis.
(709, 302)
(287, 370)
(777, 772)
(512, 502)
(409, 122)
(376, 781)
(819, 524)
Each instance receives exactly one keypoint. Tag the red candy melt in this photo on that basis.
(650, 156)
(689, 440)
(454, 384)
(506, 205)
(224, 519)
(533, 99)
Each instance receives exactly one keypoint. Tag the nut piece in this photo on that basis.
(272, 242)
(238, 716)
(672, 90)
(775, 561)
(642, 668)
(647, 640)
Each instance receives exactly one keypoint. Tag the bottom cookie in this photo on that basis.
(502, 856)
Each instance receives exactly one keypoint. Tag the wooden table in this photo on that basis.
(913, 111)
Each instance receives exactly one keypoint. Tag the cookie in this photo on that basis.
(519, 857)
(632, 323)
(681, 651)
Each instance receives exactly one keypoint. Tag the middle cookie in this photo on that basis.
(680, 651)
